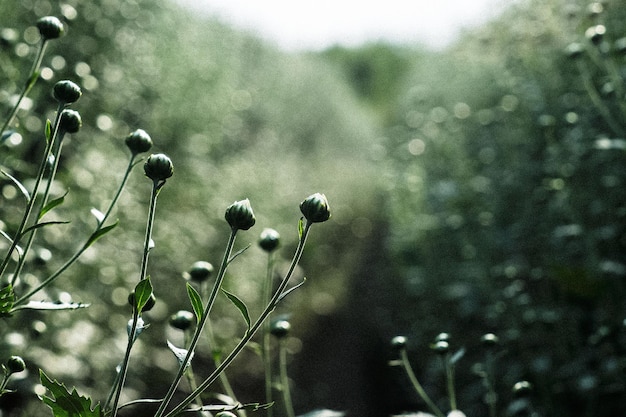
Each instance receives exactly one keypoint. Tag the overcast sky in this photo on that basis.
(298, 25)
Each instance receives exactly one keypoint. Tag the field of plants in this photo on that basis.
(376, 231)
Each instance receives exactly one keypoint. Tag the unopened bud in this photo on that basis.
(50, 27)
(70, 121)
(138, 141)
(280, 328)
(15, 364)
(200, 271)
(398, 342)
(239, 215)
(158, 167)
(269, 239)
(182, 319)
(315, 208)
(66, 92)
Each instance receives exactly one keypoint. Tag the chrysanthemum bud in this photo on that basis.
(149, 304)
(15, 364)
(398, 342)
(158, 167)
(620, 45)
(200, 271)
(280, 328)
(50, 27)
(239, 215)
(225, 414)
(315, 208)
(442, 337)
(522, 388)
(269, 239)
(182, 319)
(596, 33)
(441, 347)
(138, 142)
(66, 92)
(489, 339)
(70, 121)
(574, 50)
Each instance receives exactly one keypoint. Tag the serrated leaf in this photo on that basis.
(290, 290)
(180, 354)
(97, 214)
(67, 404)
(241, 306)
(99, 233)
(143, 291)
(48, 130)
(300, 228)
(52, 204)
(7, 298)
(42, 224)
(196, 302)
(47, 305)
(18, 184)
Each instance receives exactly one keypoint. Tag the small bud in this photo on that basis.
(315, 208)
(225, 414)
(280, 328)
(149, 304)
(595, 34)
(398, 342)
(522, 388)
(620, 46)
(15, 364)
(50, 27)
(66, 92)
(158, 167)
(269, 239)
(182, 319)
(138, 141)
(200, 271)
(70, 121)
(489, 339)
(239, 215)
(574, 50)
(445, 337)
(441, 347)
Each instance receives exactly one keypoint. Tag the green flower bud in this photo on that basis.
(574, 50)
(398, 342)
(158, 167)
(15, 364)
(225, 414)
(239, 215)
(70, 121)
(50, 27)
(149, 304)
(138, 141)
(442, 337)
(441, 347)
(489, 339)
(66, 92)
(200, 271)
(182, 319)
(315, 208)
(595, 34)
(620, 46)
(280, 328)
(269, 239)
(522, 388)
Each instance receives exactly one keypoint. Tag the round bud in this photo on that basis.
(595, 33)
(269, 239)
(149, 304)
(489, 339)
(522, 388)
(574, 50)
(50, 27)
(239, 215)
(442, 337)
(158, 167)
(315, 208)
(441, 347)
(398, 342)
(15, 364)
(182, 319)
(66, 92)
(225, 414)
(280, 328)
(70, 121)
(200, 271)
(620, 46)
(138, 141)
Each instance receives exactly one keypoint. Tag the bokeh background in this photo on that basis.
(474, 189)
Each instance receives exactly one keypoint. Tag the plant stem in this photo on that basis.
(450, 381)
(247, 337)
(267, 337)
(284, 379)
(417, 386)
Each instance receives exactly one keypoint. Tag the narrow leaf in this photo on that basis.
(66, 404)
(180, 354)
(196, 301)
(240, 306)
(97, 214)
(42, 224)
(295, 287)
(143, 291)
(48, 131)
(7, 298)
(232, 258)
(52, 204)
(19, 185)
(300, 228)
(19, 249)
(99, 233)
(46, 305)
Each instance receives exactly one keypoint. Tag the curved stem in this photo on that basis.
(284, 380)
(417, 386)
(247, 337)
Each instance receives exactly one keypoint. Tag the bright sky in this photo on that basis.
(308, 24)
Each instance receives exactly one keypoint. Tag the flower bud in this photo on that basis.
(398, 342)
(66, 92)
(239, 215)
(138, 141)
(315, 208)
(522, 388)
(158, 167)
(441, 347)
(620, 45)
(489, 339)
(200, 271)
(15, 364)
(280, 328)
(595, 33)
(182, 319)
(50, 27)
(149, 304)
(225, 414)
(70, 121)
(445, 337)
(269, 239)
(574, 50)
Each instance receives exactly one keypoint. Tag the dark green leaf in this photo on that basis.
(180, 354)
(19, 185)
(48, 130)
(295, 287)
(143, 291)
(240, 306)
(196, 301)
(7, 298)
(42, 224)
(66, 404)
(99, 233)
(52, 204)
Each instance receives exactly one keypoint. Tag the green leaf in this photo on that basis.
(42, 224)
(66, 404)
(232, 258)
(47, 305)
(52, 204)
(7, 298)
(295, 287)
(196, 301)
(97, 214)
(19, 185)
(300, 228)
(143, 291)
(48, 130)
(240, 305)
(99, 233)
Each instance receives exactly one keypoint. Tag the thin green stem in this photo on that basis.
(284, 379)
(450, 381)
(124, 368)
(267, 337)
(247, 337)
(417, 386)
